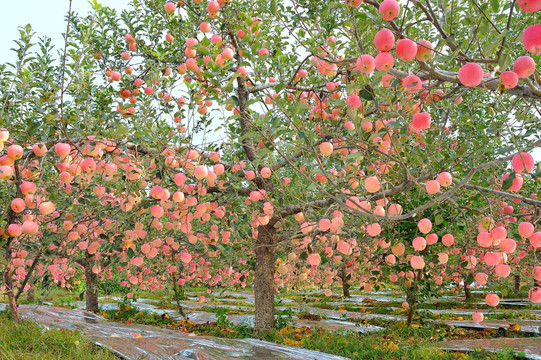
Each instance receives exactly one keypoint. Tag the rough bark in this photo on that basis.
(265, 247)
(410, 316)
(178, 293)
(343, 276)
(8, 282)
(411, 296)
(264, 279)
(11, 218)
(345, 288)
(517, 284)
(28, 278)
(91, 294)
(30, 292)
(467, 292)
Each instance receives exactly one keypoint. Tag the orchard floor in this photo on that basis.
(363, 326)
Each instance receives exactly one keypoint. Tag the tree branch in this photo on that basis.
(505, 194)
(28, 276)
(241, 191)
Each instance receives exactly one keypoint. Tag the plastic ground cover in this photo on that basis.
(133, 341)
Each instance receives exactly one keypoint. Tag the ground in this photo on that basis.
(365, 326)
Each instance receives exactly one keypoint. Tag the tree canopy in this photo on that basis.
(276, 144)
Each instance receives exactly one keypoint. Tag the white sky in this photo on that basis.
(45, 16)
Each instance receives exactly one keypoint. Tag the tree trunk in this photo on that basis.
(342, 275)
(30, 292)
(178, 293)
(517, 284)
(411, 298)
(8, 282)
(264, 279)
(412, 295)
(91, 294)
(467, 292)
(12, 218)
(345, 288)
(410, 316)
(28, 279)
(266, 240)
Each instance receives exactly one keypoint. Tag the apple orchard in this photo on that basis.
(360, 144)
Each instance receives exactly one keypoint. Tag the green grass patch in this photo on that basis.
(216, 309)
(29, 341)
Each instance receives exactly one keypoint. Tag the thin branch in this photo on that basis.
(28, 275)
(524, 199)
(500, 51)
(62, 89)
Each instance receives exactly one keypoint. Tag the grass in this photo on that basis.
(377, 307)
(51, 294)
(29, 341)
(57, 294)
(230, 303)
(507, 315)
(397, 342)
(401, 343)
(228, 311)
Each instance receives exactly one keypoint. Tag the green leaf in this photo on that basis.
(505, 61)
(354, 156)
(273, 7)
(96, 5)
(280, 87)
(365, 94)
(504, 150)
(507, 183)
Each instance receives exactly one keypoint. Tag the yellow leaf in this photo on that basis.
(392, 346)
